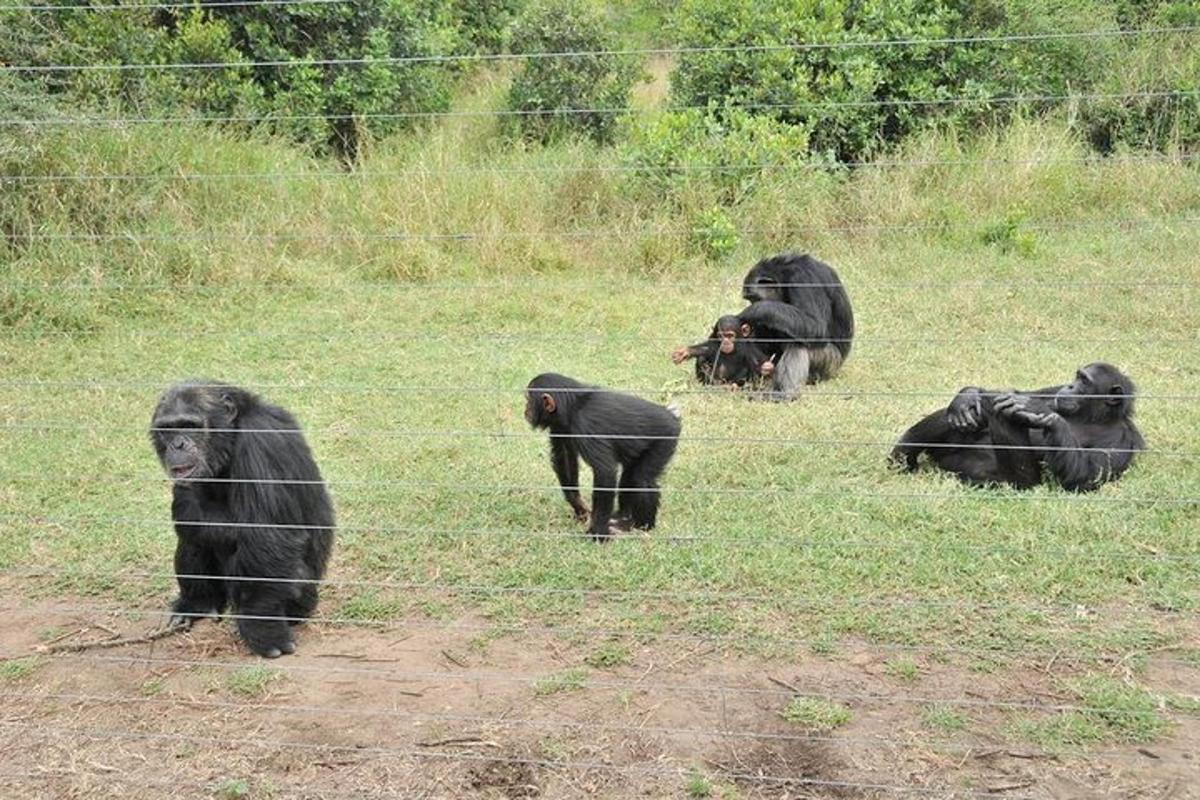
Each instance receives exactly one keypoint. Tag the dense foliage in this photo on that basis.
(580, 92)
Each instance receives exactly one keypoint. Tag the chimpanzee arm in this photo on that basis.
(788, 321)
(681, 354)
(1018, 461)
(564, 456)
(198, 523)
(604, 492)
(971, 407)
(933, 429)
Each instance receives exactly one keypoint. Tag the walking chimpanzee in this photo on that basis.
(612, 432)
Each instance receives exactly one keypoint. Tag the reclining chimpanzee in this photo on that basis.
(1081, 433)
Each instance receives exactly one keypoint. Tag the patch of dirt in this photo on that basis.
(439, 712)
(512, 779)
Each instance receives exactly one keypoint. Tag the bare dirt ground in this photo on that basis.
(413, 711)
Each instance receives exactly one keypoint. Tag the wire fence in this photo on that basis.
(125, 722)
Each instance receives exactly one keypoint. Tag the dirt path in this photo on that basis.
(439, 713)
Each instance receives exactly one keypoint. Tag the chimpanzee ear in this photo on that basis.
(548, 403)
(745, 329)
(1116, 392)
(229, 406)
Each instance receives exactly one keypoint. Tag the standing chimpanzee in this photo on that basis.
(728, 356)
(249, 507)
(1082, 432)
(803, 302)
(610, 431)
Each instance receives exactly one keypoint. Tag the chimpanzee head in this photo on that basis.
(767, 280)
(550, 400)
(729, 357)
(1100, 393)
(190, 429)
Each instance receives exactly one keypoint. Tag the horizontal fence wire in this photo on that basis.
(96, 385)
(795, 47)
(1173, 159)
(810, 106)
(609, 684)
(644, 770)
(582, 234)
(1062, 611)
(1100, 552)
(488, 721)
(724, 640)
(541, 436)
(411, 339)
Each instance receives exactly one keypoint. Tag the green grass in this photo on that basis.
(18, 668)
(903, 669)
(251, 682)
(698, 785)
(571, 680)
(790, 547)
(815, 714)
(944, 719)
(608, 656)
(1110, 711)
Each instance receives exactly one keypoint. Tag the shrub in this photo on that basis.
(730, 151)
(547, 92)
(317, 104)
(853, 100)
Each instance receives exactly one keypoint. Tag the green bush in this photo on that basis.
(318, 104)
(854, 100)
(730, 152)
(487, 24)
(547, 93)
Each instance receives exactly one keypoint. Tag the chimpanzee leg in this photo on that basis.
(198, 596)
(791, 373)
(643, 476)
(1017, 461)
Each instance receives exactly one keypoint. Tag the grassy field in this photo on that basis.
(783, 532)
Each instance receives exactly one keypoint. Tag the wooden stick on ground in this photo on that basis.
(78, 647)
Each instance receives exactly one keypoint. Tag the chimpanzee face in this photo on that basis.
(187, 432)
(761, 287)
(1099, 391)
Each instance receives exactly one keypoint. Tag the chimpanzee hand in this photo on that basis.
(767, 368)
(680, 355)
(582, 512)
(1017, 408)
(184, 614)
(966, 410)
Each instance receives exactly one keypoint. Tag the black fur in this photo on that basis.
(1081, 433)
(610, 431)
(800, 300)
(217, 444)
(726, 357)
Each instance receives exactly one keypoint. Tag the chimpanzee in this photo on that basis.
(809, 308)
(610, 431)
(249, 506)
(728, 356)
(1082, 433)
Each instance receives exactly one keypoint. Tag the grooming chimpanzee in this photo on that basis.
(802, 300)
(1083, 433)
(610, 431)
(249, 506)
(727, 357)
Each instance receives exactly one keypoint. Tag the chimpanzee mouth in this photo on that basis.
(179, 473)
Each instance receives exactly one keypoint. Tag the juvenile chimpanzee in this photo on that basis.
(249, 506)
(1083, 433)
(610, 431)
(728, 356)
(808, 307)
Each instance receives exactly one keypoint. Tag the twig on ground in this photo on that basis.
(78, 647)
